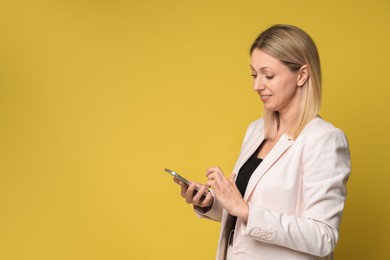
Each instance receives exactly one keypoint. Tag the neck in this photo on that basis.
(284, 124)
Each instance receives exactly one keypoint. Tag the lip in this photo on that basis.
(265, 98)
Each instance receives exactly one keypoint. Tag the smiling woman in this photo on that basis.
(97, 97)
(286, 195)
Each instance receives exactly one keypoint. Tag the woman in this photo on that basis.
(286, 195)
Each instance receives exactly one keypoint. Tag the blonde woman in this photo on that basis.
(286, 195)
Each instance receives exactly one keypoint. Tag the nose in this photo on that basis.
(258, 84)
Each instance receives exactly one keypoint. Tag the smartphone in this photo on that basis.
(178, 176)
(185, 181)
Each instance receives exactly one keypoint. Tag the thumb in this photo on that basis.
(232, 177)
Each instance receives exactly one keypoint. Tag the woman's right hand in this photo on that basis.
(196, 194)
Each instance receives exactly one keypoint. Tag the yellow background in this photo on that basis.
(98, 97)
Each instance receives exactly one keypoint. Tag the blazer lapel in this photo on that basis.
(249, 147)
(273, 156)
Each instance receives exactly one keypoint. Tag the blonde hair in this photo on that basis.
(294, 48)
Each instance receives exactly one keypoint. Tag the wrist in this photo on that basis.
(202, 210)
(242, 212)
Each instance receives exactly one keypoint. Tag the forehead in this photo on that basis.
(261, 60)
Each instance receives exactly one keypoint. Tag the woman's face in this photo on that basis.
(276, 85)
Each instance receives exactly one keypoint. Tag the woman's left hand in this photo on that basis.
(225, 189)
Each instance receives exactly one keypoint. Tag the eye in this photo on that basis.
(269, 77)
(253, 75)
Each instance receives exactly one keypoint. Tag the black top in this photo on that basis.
(244, 175)
(246, 171)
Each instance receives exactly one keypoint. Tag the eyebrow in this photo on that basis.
(262, 68)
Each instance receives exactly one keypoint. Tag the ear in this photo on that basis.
(303, 75)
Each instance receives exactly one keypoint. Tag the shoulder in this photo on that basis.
(319, 126)
(254, 128)
(257, 124)
(319, 131)
(324, 146)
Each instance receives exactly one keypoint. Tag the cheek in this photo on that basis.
(288, 86)
(280, 87)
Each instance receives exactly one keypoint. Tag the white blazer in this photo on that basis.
(296, 196)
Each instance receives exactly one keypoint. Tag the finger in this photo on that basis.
(216, 176)
(198, 185)
(208, 201)
(183, 190)
(220, 181)
(219, 177)
(210, 183)
(209, 171)
(212, 170)
(200, 195)
(232, 181)
(190, 193)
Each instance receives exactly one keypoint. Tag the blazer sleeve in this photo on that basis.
(215, 213)
(325, 168)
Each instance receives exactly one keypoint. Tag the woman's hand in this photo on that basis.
(196, 194)
(227, 193)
